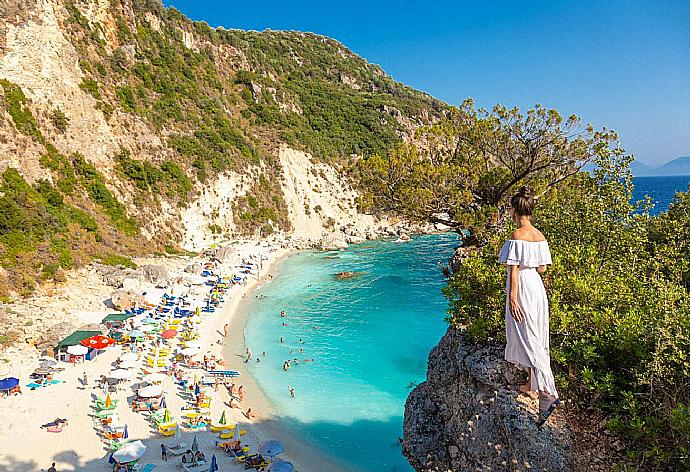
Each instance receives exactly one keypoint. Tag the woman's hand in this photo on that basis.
(516, 310)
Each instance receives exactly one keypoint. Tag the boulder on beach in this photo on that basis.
(125, 299)
(196, 268)
(155, 274)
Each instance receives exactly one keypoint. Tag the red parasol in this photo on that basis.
(98, 342)
(169, 333)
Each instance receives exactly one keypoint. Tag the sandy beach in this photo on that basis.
(79, 446)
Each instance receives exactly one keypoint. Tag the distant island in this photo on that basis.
(678, 166)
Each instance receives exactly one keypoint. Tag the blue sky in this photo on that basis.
(620, 64)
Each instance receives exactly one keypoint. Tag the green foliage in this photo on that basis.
(127, 99)
(34, 222)
(60, 120)
(75, 16)
(53, 160)
(117, 260)
(90, 86)
(168, 179)
(474, 160)
(16, 104)
(619, 306)
(94, 183)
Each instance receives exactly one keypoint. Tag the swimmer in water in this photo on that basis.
(282, 314)
(292, 391)
(300, 340)
(281, 339)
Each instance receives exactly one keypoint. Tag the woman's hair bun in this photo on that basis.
(522, 202)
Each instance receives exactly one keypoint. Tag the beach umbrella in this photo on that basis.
(222, 419)
(48, 363)
(163, 404)
(195, 445)
(119, 374)
(135, 333)
(9, 383)
(129, 452)
(166, 415)
(213, 467)
(128, 357)
(146, 328)
(156, 377)
(236, 435)
(195, 344)
(78, 350)
(151, 391)
(271, 449)
(190, 351)
(108, 401)
(43, 371)
(125, 433)
(127, 365)
(178, 435)
(169, 334)
(281, 466)
(98, 342)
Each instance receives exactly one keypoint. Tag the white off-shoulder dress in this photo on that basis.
(527, 343)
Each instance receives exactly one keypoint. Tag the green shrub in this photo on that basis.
(117, 260)
(17, 105)
(60, 120)
(90, 86)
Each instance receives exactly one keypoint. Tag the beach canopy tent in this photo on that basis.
(75, 339)
(115, 320)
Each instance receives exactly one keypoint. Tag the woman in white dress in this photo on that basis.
(526, 255)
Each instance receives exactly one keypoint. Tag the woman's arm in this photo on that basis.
(541, 269)
(515, 310)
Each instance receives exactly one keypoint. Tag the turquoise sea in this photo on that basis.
(369, 338)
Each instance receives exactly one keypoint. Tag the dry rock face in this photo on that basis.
(465, 418)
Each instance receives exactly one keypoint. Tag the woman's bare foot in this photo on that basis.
(524, 389)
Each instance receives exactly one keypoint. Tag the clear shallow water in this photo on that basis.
(661, 189)
(372, 340)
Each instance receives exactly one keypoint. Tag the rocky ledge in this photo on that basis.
(465, 417)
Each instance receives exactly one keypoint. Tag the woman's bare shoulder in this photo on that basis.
(527, 234)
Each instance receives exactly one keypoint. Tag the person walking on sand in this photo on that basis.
(164, 453)
(84, 379)
(526, 255)
(226, 330)
(240, 393)
(52, 468)
(249, 354)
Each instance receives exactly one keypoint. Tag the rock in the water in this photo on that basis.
(125, 299)
(347, 274)
(333, 242)
(465, 418)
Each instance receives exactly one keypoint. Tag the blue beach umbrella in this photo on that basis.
(9, 383)
(214, 464)
(125, 433)
(110, 459)
(281, 466)
(164, 404)
(271, 449)
(195, 445)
